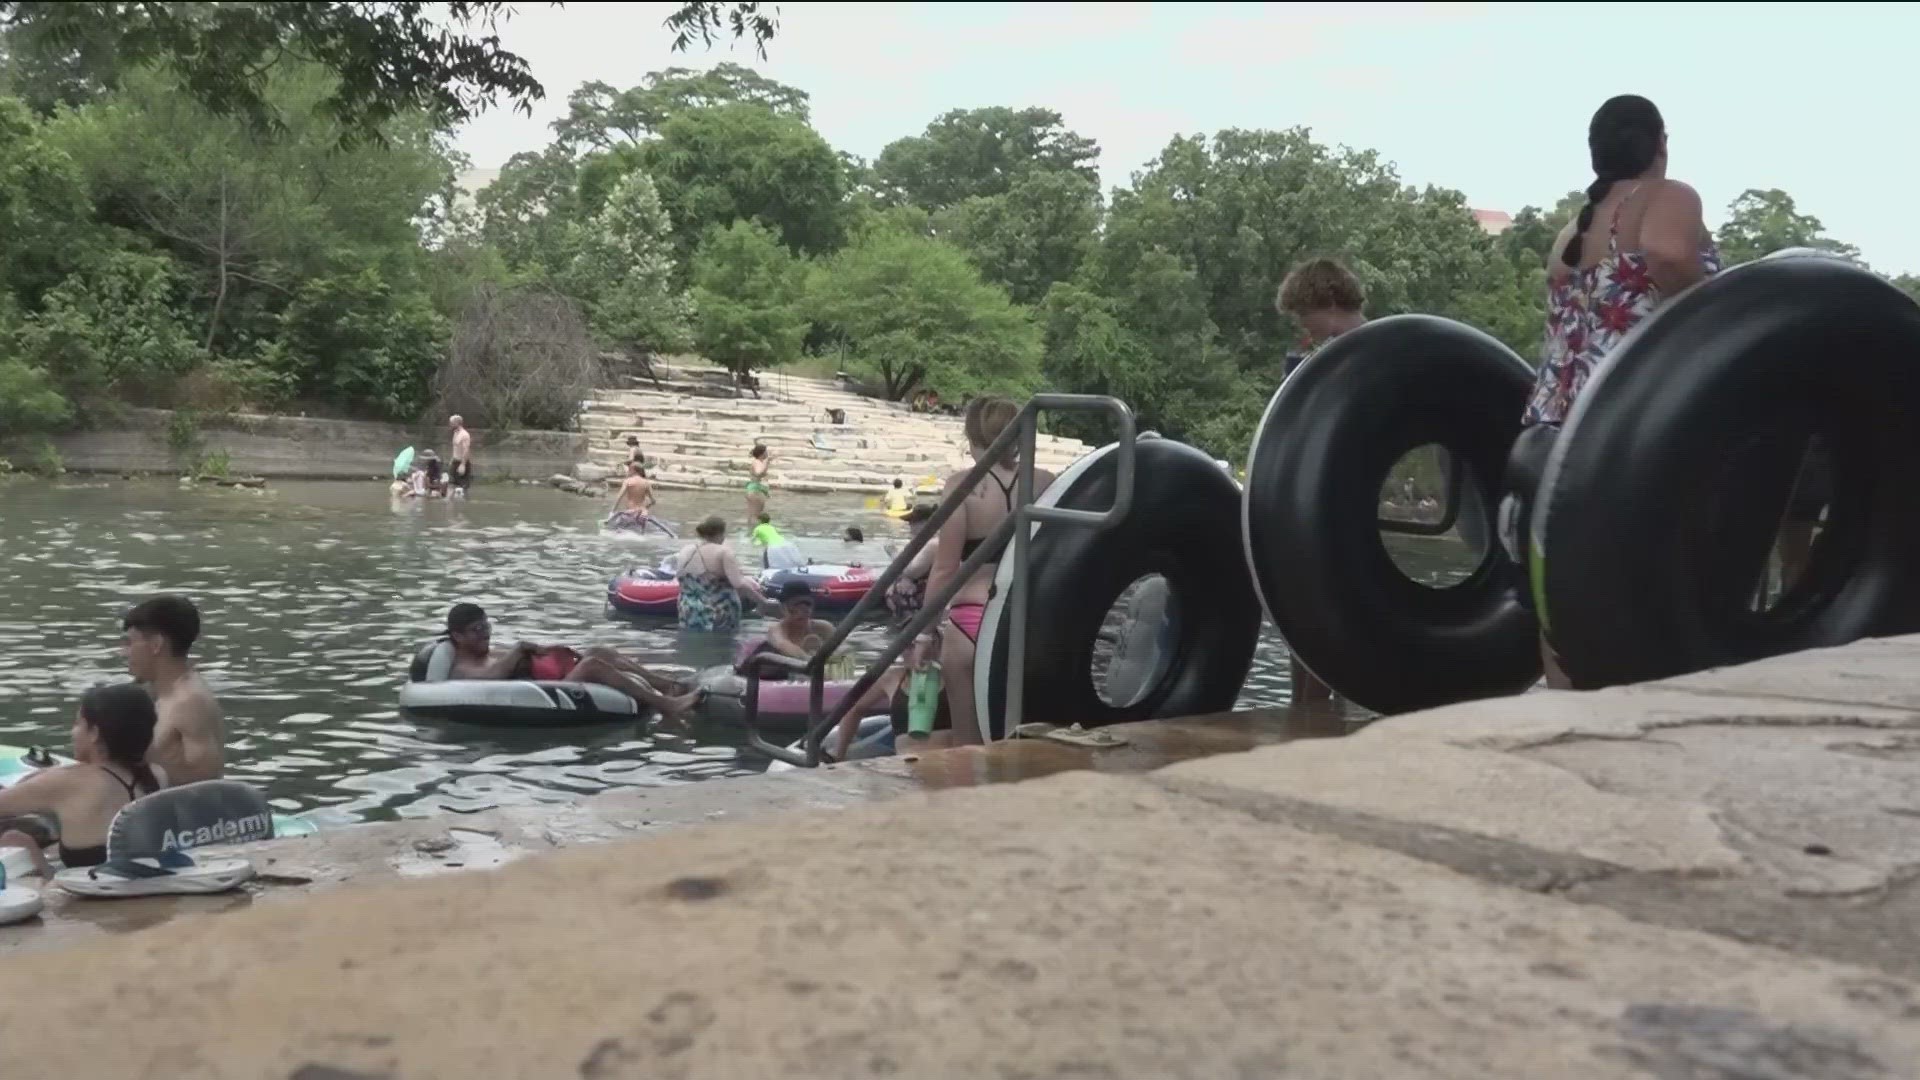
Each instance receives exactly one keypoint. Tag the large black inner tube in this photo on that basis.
(1665, 492)
(1330, 436)
(1185, 511)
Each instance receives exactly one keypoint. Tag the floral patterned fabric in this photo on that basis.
(1588, 312)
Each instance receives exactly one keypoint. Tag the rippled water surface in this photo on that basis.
(314, 596)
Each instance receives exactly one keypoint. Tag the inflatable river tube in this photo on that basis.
(1186, 510)
(19, 762)
(1664, 493)
(783, 702)
(506, 703)
(652, 593)
(1330, 437)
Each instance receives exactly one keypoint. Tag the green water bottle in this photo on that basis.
(923, 700)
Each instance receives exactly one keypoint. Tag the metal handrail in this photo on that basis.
(1018, 526)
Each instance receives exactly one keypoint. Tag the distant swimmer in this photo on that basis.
(471, 633)
(460, 476)
(189, 740)
(897, 502)
(759, 460)
(633, 506)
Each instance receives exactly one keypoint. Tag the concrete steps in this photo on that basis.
(696, 432)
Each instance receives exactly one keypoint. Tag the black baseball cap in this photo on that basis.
(463, 616)
(796, 590)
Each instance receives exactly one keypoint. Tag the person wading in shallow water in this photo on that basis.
(189, 738)
(1327, 300)
(460, 474)
(1639, 240)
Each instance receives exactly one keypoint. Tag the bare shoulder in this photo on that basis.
(1674, 195)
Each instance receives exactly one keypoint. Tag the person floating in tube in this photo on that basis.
(471, 633)
(1639, 239)
(1327, 300)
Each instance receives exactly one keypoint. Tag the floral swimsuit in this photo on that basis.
(1588, 312)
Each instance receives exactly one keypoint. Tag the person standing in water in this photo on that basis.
(971, 524)
(711, 581)
(781, 553)
(897, 502)
(759, 460)
(1327, 300)
(1640, 239)
(460, 474)
(188, 738)
(632, 505)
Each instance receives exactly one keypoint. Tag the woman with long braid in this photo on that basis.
(1639, 239)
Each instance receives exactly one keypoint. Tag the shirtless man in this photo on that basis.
(471, 633)
(460, 475)
(189, 738)
(630, 506)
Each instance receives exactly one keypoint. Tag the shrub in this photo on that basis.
(519, 358)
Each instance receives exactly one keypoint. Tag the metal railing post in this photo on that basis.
(1017, 527)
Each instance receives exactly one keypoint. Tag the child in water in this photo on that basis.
(781, 553)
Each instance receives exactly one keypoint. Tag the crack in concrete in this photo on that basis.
(1878, 929)
(1797, 699)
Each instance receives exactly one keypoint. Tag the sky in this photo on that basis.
(1490, 99)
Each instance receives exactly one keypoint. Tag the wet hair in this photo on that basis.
(1623, 140)
(896, 481)
(123, 715)
(766, 518)
(712, 529)
(986, 418)
(855, 535)
(172, 617)
(759, 450)
(1320, 285)
(461, 616)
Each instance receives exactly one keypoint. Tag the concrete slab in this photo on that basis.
(1083, 925)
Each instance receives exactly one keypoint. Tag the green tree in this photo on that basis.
(45, 216)
(252, 216)
(526, 210)
(112, 328)
(747, 295)
(353, 341)
(1032, 235)
(389, 59)
(622, 268)
(705, 19)
(912, 312)
(600, 117)
(980, 152)
(1762, 222)
(745, 162)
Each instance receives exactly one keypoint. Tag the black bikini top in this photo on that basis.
(1006, 491)
(97, 854)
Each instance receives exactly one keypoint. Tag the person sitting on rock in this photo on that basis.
(471, 633)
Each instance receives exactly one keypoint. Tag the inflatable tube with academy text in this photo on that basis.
(1664, 493)
(19, 762)
(522, 703)
(1331, 434)
(1181, 527)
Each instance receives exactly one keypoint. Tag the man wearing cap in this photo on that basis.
(471, 633)
(797, 633)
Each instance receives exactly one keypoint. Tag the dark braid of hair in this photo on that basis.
(1623, 140)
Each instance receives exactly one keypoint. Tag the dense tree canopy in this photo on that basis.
(254, 205)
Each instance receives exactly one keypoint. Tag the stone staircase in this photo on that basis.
(696, 434)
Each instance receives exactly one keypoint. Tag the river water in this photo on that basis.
(315, 595)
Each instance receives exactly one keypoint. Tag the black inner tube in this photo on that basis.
(1667, 490)
(1185, 513)
(1330, 437)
